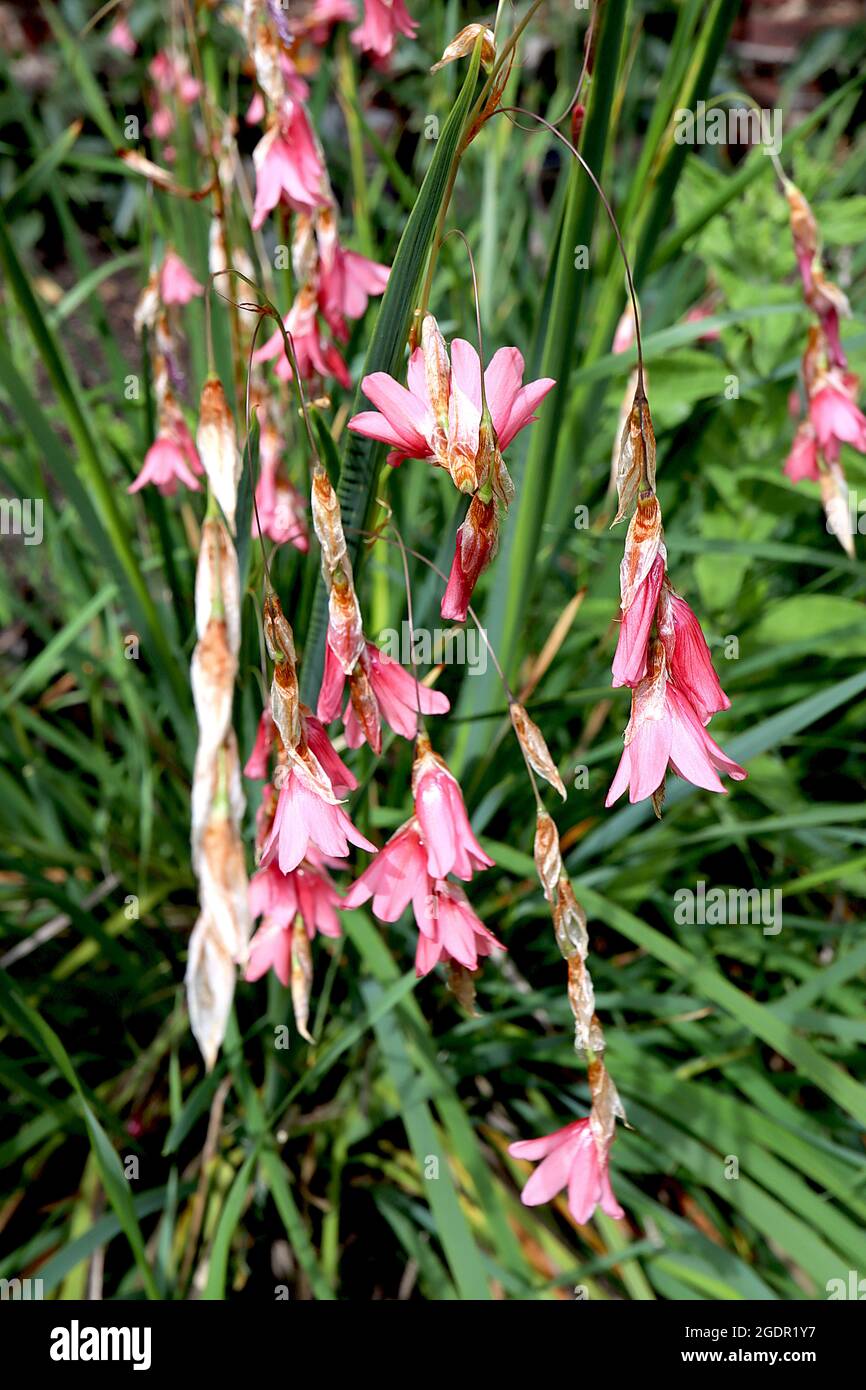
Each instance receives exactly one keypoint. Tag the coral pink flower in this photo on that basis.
(256, 765)
(441, 813)
(279, 898)
(405, 417)
(120, 36)
(342, 780)
(315, 356)
(448, 930)
(288, 166)
(704, 309)
(346, 285)
(396, 692)
(177, 284)
(629, 662)
(665, 730)
(280, 506)
(304, 819)
(162, 122)
(171, 458)
(834, 414)
(324, 15)
(689, 660)
(397, 876)
(170, 73)
(802, 461)
(474, 547)
(382, 21)
(256, 110)
(571, 1158)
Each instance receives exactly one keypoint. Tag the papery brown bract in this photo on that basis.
(534, 747)
(637, 456)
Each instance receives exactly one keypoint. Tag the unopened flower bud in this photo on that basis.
(475, 547)
(218, 448)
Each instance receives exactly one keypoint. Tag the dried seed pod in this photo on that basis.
(637, 456)
(147, 306)
(285, 698)
(210, 986)
(162, 178)
(301, 977)
(569, 922)
(535, 749)
(223, 884)
(804, 228)
(581, 997)
(834, 497)
(328, 525)
(607, 1107)
(546, 852)
(217, 583)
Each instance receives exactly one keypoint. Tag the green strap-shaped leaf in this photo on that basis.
(361, 457)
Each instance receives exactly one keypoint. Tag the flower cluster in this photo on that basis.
(414, 867)
(661, 653)
(452, 417)
(833, 417)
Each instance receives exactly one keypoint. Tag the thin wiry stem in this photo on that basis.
(533, 116)
(269, 310)
(412, 659)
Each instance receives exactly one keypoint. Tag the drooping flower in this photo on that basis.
(396, 693)
(308, 814)
(475, 546)
(319, 21)
(288, 165)
(383, 20)
(121, 37)
(835, 415)
(629, 663)
(172, 457)
(802, 461)
(450, 845)
(280, 506)
(256, 765)
(448, 930)
(279, 899)
(397, 876)
(664, 730)
(346, 285)
(316, 356)
(689, 662)
(177, 284)
(437, 417)
(570, 1158)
